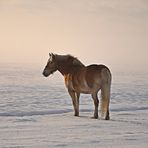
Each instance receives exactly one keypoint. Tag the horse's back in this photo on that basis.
(95, 67)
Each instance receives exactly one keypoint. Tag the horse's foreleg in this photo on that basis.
(75, 101)
(96, 103)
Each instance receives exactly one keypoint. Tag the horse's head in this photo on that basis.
(51, 66)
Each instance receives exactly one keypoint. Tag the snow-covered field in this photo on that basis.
(37, 112)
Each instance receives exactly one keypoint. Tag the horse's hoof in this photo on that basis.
(94, 117)
(107, 118)
(77, 115)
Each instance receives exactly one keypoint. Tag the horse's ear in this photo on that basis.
(50, 54)
(50, 57)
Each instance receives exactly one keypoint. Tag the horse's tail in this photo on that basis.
(105, 93)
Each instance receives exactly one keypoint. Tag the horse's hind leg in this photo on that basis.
(105, 93)
(96, 103)
(75, 100)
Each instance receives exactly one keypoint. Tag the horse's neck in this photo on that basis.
(64, 66)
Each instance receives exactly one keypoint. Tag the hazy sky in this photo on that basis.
(113, 32)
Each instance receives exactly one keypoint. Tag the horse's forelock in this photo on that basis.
(51, 57)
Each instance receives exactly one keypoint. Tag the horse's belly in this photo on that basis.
(82, 87)
(84, 91)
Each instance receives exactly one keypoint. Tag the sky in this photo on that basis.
(112, 32)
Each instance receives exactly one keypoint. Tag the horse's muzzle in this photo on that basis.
(45, 74)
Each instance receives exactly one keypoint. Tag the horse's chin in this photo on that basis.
(45, 75)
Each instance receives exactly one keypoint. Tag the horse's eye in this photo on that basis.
(51, 62)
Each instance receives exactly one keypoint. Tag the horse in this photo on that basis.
(82, 79)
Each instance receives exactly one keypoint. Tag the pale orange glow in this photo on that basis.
(112, 32)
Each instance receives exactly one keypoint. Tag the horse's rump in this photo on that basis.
(94, 74)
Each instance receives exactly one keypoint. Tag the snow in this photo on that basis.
(37, 112)
(125, 130)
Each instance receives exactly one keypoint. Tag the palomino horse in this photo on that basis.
(82, 79)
